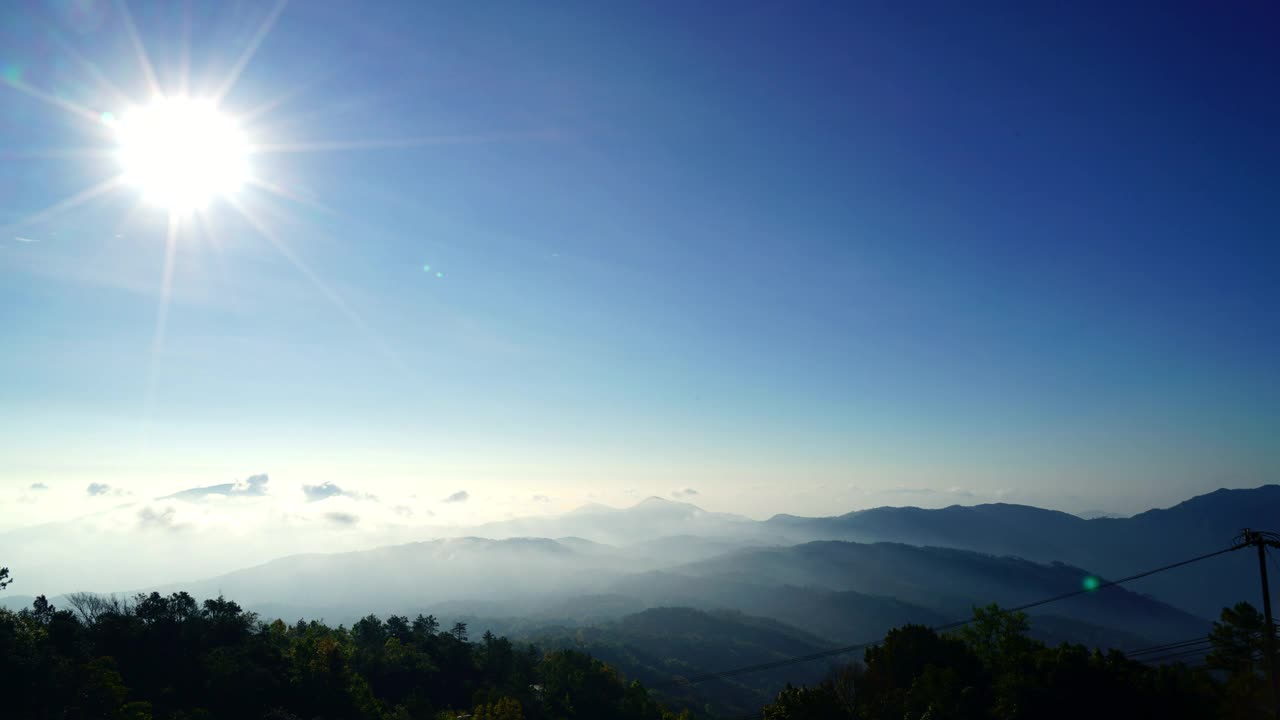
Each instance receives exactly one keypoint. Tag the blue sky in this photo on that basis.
(802, 259)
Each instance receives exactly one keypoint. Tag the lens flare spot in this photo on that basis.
(439, 274)
(1091, 583)
(426, 268)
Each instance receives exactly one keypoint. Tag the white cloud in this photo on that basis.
(253, 486)
(321, 491)
(342, 518)
(163, 519)
(326, 490)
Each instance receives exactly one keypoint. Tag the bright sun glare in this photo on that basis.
(181, 152)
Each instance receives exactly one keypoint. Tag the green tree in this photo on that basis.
(1238, 640)
(425, 626)
(916, 673)
(1001, 641)
(807, 703)
(103, 691)
(504, 709)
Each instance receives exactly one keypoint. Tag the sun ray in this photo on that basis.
(71, 107)
(297, 262)
(204, 228)
(162, 313)
(249, 51)
(320, 285)
(148, 71)
(78, 153)
(62, 206)
(166, 282)
(118, 96)
(184, 51)
(400, 144)
(254, 113)
(275, 189)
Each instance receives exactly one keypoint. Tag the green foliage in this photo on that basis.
(1239, 643)
(992, 670)
(504, 709)
(658, 644)
(171, 658)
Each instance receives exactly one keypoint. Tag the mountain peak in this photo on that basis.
(655, 504)
(654, 500)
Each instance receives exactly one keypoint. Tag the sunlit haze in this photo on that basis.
(583, 360)
(421, 268)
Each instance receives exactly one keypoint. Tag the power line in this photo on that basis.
(1175, 655)
(1158, 649)
(833, 652)
(1256, 657)
(1171, 651)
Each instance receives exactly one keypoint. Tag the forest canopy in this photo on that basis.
(175, 658)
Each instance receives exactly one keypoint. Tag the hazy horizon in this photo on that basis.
(463, 509)
(429, 267)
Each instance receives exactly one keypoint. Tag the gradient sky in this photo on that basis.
(798, 259)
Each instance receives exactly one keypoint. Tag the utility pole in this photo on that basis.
(1263, 540)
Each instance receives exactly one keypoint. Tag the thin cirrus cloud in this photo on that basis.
(39, 486)
(100, 489)
(685, 493)
(541, 498)
(460, 496)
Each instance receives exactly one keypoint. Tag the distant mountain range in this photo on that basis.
(1113, 547)
(844, 578)
(652, 519)
(1110, 546)
(839, 590)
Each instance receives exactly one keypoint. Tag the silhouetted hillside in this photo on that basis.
(946, 581)
(1111, 546)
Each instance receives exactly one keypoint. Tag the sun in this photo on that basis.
(181, 152)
